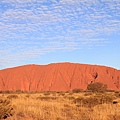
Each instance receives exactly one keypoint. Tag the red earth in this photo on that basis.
(57, 77)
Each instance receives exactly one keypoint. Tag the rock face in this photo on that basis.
(57, 77)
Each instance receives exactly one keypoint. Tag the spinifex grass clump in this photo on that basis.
(117, 94)
(77, 90)
(6, 109)
(106, 98)
(94, 100)
(87, 102)
(45, 98)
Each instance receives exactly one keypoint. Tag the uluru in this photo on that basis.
(57, 77)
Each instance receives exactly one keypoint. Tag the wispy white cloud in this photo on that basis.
(29, 28)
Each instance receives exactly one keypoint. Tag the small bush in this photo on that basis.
(62, 94)
(117, 94)
(88, 94)
(67, 91)
(105, 98)
(46, 98)
(47, 93)
(77, 90)
(53, 93)
(78, 100)
(7, 92)
(12, 96)
(110, 90)
(93, 100)
(87, 102)
(27, 96)
(6, 109)
(97, 87)
(19, 91)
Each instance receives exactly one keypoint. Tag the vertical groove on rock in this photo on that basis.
(29, 80)
(3, 83)
(64, 80)
(72, 78)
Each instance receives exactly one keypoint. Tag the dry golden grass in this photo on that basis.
(60, 106)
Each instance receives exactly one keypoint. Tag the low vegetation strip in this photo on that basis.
(70, 105)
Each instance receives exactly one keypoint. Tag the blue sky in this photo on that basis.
(49, 31)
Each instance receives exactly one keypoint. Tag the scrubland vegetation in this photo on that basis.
(97, 103)
(74, 105)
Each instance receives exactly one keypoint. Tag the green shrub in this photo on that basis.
(6, 109)
(97, 87)
(77, 90)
